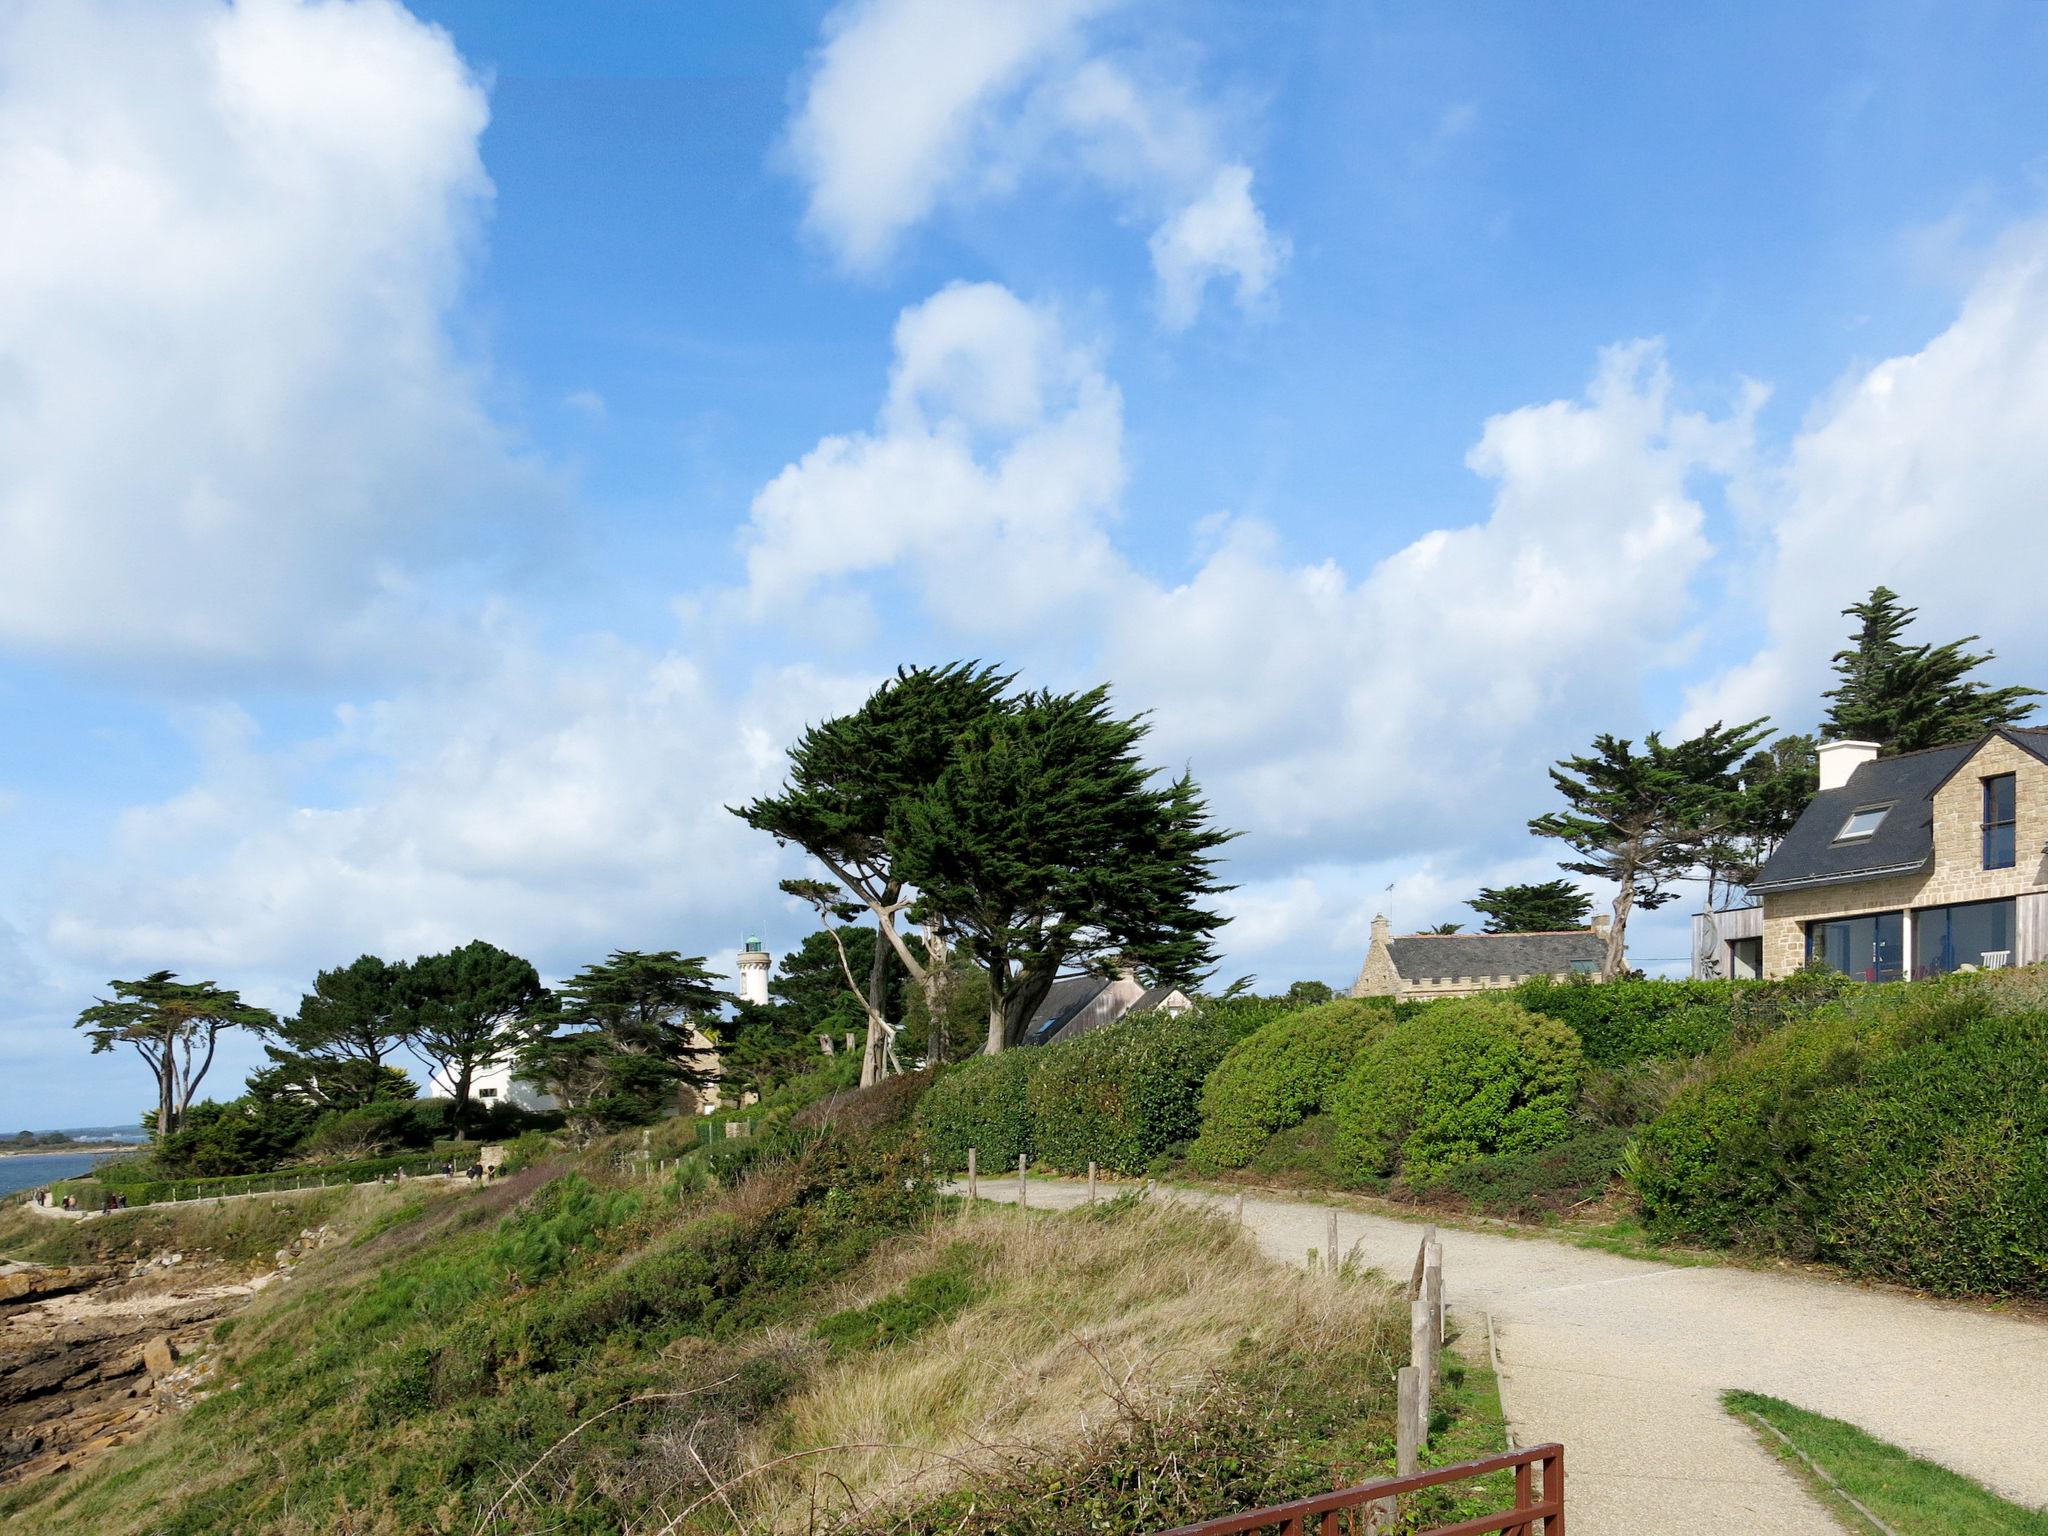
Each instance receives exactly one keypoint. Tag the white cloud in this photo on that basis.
(1220, 235)
(1923, 472)
(231, 423)
(995, 464)
(913, 103)
(557, 806)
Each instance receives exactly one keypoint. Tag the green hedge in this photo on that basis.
(980, 1103)
(1125, 1094)
(1623, 1021)
(1279, 1075)
(1465, 1078)
(1902, 1134)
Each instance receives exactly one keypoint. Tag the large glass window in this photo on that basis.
(2000, 844)
(1869, 947)
(1949, 938)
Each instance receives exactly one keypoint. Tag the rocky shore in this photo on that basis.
(90, 1354)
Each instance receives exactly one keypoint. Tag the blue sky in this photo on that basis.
(446, 453)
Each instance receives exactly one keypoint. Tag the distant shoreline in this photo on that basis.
(72, 1147)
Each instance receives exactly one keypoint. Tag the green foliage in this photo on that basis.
(464, 1008)
(939, 1293)
(1127, 1093)
(174, 1026)
(1279, 1075)
(983, 1103)
(347, 1028)
(1901, 1133)
(1644, 820)
(622, 1038)
(1625, 1021)
(543, 1237)
(1904, 696)
(1532, 1186)
(1550, 906)
(1465, 1078)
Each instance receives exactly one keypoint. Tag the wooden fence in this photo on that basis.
(1367, 1509)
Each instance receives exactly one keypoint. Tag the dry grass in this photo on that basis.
(1081, 1317)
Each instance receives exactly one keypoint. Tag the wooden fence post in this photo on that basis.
(1091, 1183)
(1422, 1352)
(973, 1184)
(1240, 1208)
(1023, 1192)
(1330, 1240)
(1411, 1417)
(1433, 1293)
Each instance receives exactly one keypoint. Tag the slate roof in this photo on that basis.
(1066, 999)
(1903, 841)
(1424, 956)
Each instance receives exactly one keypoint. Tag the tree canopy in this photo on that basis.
(346, 1030)
(464, 1010)
(623, 1035)
(1548, 906)
(1645, 820)
(174, 1026)
(1045, 846)
(1905, 696)
(1021, 827)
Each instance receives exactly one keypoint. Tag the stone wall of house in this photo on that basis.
(1957, 873)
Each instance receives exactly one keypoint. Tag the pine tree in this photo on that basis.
(1904, 696)
(1550, 906)
(1643, 820)
(174, 1026)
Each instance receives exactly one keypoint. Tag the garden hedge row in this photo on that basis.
(1901, 1133)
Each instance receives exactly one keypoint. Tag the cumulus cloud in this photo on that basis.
(912, 103)
(994, 466)
(557, 805)
(231, 424)
(1335, 711)
(1923, 472)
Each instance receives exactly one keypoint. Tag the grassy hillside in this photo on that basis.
(814, 1340)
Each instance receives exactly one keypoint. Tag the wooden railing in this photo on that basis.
(1370, 1507)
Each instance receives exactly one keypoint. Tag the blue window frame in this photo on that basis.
(2001, 841)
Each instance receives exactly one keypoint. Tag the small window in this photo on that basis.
(2001, 844)
(1863, 821)
(487, 1093)
(1585, 967)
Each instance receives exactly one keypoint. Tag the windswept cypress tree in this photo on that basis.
(1904, 696)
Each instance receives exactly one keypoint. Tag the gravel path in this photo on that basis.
(1623, 1362)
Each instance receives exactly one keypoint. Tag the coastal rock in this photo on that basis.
(36, 1282)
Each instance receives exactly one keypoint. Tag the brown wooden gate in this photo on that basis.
(1539, 1497)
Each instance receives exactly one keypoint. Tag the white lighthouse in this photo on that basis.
(754, 972)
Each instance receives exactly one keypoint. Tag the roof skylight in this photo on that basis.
(1862, 822)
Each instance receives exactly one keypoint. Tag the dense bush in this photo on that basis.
(1125, 1094)
(1464, 1078)
(1530, 1186)
(1624, 1021)
(1902, 1133)
(1279, 1075)
(981, 1104)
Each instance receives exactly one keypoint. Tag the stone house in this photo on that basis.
(1425, 965)
(1910, 865)
(1081, 1003)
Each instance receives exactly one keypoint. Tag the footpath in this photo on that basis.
(1624, 1361)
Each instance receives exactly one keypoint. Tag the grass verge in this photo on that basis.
(1911, 1496)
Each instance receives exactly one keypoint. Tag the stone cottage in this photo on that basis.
(1426, 965)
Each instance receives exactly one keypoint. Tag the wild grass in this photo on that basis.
(235, 1232)
(1911, 1496)
(1080, 1322)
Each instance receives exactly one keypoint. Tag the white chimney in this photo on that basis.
(1839, 759)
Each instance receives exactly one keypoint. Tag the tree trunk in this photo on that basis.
(1617, 932)
(462, 1082)
(166, 1089)
(872, 1066)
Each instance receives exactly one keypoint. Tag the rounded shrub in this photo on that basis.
(1468, 1077)
(1279, 1075)
(1619, 1022)
(1127, 1093)
(981, 1103)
